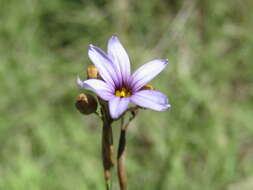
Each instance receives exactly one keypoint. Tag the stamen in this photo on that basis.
(123, 93)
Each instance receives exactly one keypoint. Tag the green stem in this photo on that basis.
(121, 160)
(107, 146)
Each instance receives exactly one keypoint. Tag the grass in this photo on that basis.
(203, 143)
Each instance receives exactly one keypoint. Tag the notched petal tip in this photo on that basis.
(114, 40)
(163, 107)
(165, 61)
(166, 107)
(114, 37)
(90, 46)
(79, 82)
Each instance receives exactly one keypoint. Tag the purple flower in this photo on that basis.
(118, 86)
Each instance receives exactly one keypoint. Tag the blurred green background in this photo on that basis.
(205, 142)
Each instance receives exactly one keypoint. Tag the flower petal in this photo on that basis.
(151, 99)
(147, 72)
(79, 82)
(104, 65)
(117, 106)
(120, 58)
(102, 89)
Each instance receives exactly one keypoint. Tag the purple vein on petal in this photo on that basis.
(151, 99)
(104, 65)
(120, 58)
(102, 89)
(117, 106)
(147, 72)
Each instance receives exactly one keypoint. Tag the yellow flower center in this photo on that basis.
(123, 93)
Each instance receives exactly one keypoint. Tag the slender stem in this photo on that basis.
(107, 151)
(121, 158)
(122, 150)
(107, 147)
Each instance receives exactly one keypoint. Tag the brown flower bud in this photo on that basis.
(86, 104)
(147, 87)
(92, 72)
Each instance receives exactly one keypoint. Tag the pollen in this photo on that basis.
(123, 93)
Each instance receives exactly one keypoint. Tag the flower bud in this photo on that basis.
(147, 87)
(86, 104)
(92, 72)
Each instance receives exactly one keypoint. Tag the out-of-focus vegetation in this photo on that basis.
(205, 142)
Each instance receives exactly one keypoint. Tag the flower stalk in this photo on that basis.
(121, 156)
(107, 144)
(121, 160)
(107, 151)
